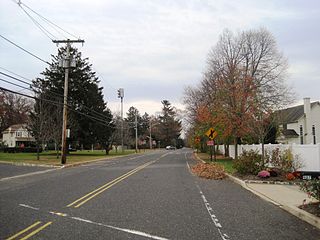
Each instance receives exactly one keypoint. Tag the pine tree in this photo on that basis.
(168, 129)
(88, 116)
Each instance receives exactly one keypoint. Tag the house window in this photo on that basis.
(314, 134)
(301, 134)
(18, 134)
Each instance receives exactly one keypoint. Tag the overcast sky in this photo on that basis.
(155, 48)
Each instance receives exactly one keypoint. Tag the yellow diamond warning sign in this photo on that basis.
(211, 133)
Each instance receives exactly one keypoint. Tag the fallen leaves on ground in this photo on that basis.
(209, 171)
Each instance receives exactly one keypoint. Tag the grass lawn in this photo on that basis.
(226, 162)
(50, 157)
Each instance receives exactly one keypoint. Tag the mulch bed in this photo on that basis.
(280, 178)
(209, 171)
(313, 208)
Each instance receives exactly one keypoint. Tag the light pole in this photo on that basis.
(121, 96)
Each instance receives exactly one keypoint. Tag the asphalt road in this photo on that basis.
(150, 196)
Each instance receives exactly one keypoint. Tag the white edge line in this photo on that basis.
(27, 206)
(213, 217)
(135, 232)
(121, 229)
(188, 166)
(28, 174)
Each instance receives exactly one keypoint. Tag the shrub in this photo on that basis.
(273, 172)
(290, 176)
(249, 162)
(297, 174)
(284, 160)
(312, 187)
(263, 174)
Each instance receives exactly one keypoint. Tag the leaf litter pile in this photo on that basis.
(209, 171)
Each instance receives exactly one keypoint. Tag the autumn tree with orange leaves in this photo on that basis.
(243, 83)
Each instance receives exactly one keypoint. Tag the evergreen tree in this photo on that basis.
(145, 125)
(88, 116)
(168, 129)
(130, 119)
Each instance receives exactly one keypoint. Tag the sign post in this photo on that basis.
(197, 141)
(212, 134)
(210, 144)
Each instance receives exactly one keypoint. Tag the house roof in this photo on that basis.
(16, 127)
(290, 133)
(293, 114)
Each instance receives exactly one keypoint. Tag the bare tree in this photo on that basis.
(14, 109)
(244, 80)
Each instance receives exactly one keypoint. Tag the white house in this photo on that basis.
(17, 136)
(300, 124)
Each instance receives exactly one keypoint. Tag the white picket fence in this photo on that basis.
(308, 154)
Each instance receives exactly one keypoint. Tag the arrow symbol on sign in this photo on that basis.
(211, 133)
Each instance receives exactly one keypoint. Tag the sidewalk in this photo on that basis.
(288, 197)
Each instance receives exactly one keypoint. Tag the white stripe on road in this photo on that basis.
(213, 216)
(135, 232)
(27, 206)
(28, 174)
(121, 229)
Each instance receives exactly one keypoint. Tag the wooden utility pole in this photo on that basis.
(66, 65)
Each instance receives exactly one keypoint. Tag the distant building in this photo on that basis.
(17, 136)
(300, 124)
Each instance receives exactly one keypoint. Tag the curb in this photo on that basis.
(271, 182)
(294, 210)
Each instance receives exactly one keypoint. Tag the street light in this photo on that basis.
(121, 96)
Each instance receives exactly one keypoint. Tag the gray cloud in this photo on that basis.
(155, 48)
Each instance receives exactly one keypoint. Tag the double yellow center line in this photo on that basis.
(31, 227)
(77, 203)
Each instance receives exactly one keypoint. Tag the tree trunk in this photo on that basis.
(236, 148)
(226, 150)
(107, 148)
(38, 153)
(262, 152)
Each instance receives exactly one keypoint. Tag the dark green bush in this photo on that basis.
(21, 150)
(249, 162)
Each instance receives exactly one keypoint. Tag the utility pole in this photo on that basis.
(150, 138)
(67, 63)
(121, 96)
(136, 124)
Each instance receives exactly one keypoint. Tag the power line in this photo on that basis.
(7, 75)
(45, 31)
(49, 91)
(24, 50)
(99, 120)
(17, 85)
(50, 22)
(15, 74)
